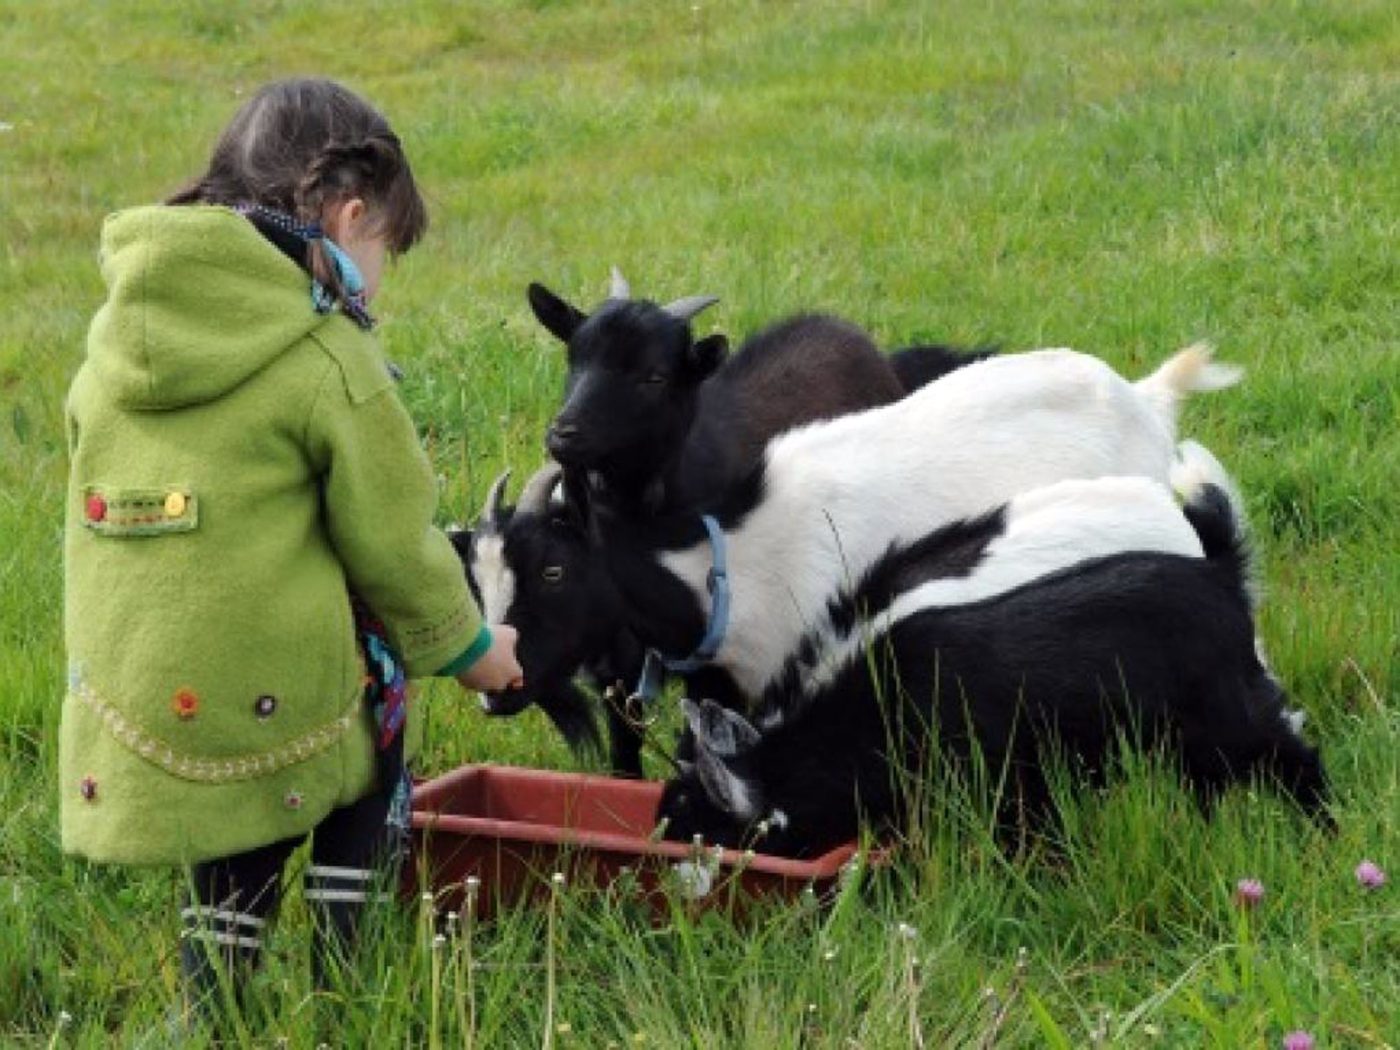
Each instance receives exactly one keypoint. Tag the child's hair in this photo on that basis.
(300, 143)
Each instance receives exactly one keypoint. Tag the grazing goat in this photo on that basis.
(530, 566)
(1154, 648)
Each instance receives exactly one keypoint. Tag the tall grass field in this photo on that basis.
(1121, 178)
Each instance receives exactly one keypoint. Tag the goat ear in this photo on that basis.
(559, 317)
(462, 539)
(719, 731)
(726, 789)
(708, 354)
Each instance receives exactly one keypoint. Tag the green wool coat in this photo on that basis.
(239, 463)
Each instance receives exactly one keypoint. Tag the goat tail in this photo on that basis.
(1212, 504)
(1189, 371)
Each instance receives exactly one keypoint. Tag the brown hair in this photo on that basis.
(298, 144)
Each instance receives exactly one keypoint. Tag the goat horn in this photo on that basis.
(534, 497)
(493, 499)
(685, 309)
(618, 288)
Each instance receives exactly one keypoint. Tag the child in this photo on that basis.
(241, 465)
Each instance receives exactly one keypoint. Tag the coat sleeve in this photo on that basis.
(379, 497)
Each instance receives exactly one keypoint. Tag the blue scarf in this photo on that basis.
(386, 695)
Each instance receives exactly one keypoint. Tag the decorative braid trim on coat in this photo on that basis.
(437, 631)
(215, 770)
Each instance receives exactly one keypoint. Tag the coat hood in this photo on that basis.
(197, 301)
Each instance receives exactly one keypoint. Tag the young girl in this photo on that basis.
(251, 564)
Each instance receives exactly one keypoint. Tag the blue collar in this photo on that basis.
(649, 686)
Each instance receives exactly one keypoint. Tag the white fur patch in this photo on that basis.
(1295, 719)
(494, 577)
(1196, 467)
(839, 492)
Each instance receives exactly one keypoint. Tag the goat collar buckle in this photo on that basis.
(717, 583)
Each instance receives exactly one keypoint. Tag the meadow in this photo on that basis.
(1120, 178)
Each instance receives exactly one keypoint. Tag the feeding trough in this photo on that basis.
(512, 828)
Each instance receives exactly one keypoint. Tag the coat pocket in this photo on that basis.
(120, 511)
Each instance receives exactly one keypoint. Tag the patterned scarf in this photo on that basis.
(386, 695)
(292, 238)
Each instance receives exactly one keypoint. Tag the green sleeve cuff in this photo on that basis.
(471, 655)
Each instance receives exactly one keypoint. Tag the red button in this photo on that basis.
(96, 508)
(186, 703)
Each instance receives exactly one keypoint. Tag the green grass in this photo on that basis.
(1124, 179)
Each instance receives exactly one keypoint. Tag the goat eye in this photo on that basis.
(654, 379)
(553, 573)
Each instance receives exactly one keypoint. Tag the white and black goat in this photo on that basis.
(529, 565)
(1153, 648)
(830, 498)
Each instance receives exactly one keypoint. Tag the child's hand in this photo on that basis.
(498, 668)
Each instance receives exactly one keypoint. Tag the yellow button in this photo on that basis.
(174, 504)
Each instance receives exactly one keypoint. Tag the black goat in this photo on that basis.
(1155, 648)
(660, 420)
(653, 420)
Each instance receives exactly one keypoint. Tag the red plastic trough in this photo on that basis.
(513, 828)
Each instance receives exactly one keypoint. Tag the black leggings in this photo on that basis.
(354, 854)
